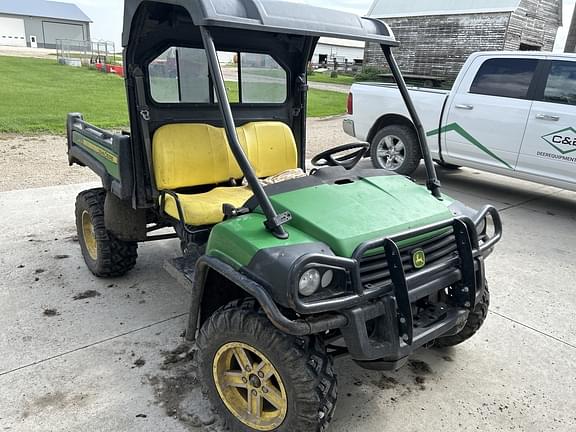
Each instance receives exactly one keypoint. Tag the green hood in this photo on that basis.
(345, 215)
(339, 215)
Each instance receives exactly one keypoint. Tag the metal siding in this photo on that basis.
(43, 8)
(34, 28)
(349, 53)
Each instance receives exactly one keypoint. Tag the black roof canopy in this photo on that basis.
(272, 16)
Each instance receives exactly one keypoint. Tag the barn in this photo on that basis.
(342, 51)
(437, 36)
(40, 23)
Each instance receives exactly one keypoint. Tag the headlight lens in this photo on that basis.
(481, 227)
(309, 282)
(327, 278)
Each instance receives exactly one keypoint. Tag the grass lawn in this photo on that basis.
(37, 95)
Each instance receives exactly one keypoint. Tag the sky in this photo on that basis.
(107, 16)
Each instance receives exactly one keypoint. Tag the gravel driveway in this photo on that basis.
(40, 160)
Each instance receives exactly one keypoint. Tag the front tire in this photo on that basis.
(104, 254)
(475, 320)
(261, 379)
(395, 148)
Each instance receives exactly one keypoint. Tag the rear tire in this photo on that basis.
(473, 324)
(301, 372)
(395, 148)
(104, 254)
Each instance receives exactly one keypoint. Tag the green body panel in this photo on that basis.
(343, 216)
(339, 215)
(104, 154)
(237, 240)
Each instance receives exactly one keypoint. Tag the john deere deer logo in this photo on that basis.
(418, 259)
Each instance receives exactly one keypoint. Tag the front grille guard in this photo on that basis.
(468, 248)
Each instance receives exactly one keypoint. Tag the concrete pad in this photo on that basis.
(507, 378)
(493, 187)
(76, 370)
(96, 389)
(532, 270)
(41, 268)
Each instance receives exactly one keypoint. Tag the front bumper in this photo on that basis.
(380, 324)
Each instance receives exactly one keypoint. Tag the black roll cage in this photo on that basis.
(275, 221)
(307, 38)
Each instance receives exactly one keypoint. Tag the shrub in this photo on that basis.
(369, 73)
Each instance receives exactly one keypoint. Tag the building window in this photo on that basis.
(561, 85)
(527, 47)
(505, 77)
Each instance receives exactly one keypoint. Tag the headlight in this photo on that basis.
(481, 227)
(309, 282)
(327, 278)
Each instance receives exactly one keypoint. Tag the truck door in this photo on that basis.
(488, 113)
(549, 147)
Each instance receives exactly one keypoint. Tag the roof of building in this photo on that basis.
(342, 42)
(43, 8)
(403, 8)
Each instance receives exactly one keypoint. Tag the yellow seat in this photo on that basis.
(188, 155)
(206, 208)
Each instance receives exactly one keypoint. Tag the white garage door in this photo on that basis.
(12, 32)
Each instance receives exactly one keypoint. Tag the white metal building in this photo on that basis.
(39, 23)
(342, 50)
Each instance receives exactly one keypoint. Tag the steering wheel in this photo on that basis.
(348, 161)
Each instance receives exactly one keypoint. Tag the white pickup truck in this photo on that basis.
(509, 113)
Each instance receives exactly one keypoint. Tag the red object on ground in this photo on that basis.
(107, 68)
(118, 70)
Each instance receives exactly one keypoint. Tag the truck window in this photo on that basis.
(505, 77)
(181, 75)
(561, 84)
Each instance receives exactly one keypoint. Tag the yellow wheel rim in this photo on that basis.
(250, 386)
(89, 236)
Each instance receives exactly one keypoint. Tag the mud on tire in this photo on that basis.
(302, 363)
(104, 254)
(473, 324)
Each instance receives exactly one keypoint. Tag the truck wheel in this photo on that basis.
(475, 321)
(261, 379)
(395, 148)
(104, 254)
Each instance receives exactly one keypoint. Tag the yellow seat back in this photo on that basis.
(270, 147)
(192, 154)
(195, 154)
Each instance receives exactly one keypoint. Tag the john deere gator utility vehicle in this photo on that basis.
(288, 268)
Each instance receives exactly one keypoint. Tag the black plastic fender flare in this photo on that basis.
(293, 327)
